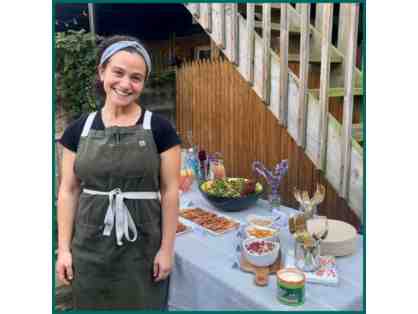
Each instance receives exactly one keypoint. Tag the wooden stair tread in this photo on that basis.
(337, 92)
(275, 27)
(314, 55)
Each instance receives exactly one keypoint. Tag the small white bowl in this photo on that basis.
(264, 259)
(262, 221)
(273, 237)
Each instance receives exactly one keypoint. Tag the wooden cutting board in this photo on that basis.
(261, 274)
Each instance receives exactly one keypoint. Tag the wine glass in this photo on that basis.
(320, 229)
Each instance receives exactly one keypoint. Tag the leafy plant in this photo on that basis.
(160, 79)
(75, 70)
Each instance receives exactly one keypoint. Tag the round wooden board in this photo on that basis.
(261, 274)
(341, 239)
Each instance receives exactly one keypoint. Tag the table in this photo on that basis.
(203, 277)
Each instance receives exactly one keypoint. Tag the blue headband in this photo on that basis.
(112, 49)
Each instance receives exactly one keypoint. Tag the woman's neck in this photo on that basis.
(121, 116)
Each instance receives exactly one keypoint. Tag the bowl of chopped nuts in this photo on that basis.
(260, 253)
(262, 233)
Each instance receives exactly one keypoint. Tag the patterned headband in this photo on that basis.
(112, 49)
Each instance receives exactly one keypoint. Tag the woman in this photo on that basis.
(115, 237)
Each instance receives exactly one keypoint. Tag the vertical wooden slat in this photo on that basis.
(324, 82)
(343, 27)
(206, 16)
(193, 89)
(233, 111)
(194, 9)
(214, 50)
(193, 92)
(234, 34)
(348, 99)
(209, 13)
(299, 7)
(284, 75)
(222, 73)
(197, 13)
(266, 51)
(222, 25)
(197, 106)
(250, 34)
(343, 35)
(303, 73)
(319, 16)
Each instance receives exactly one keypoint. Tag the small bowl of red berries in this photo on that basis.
(260, 253)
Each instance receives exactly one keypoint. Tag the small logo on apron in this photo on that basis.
(142, 143)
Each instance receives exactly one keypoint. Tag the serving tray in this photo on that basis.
(215, 233)
(188, 228)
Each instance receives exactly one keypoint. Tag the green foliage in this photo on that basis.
(160, 79)
(75, 72)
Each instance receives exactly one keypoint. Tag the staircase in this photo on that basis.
(264, 41)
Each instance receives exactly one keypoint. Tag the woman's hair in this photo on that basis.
(102, 47)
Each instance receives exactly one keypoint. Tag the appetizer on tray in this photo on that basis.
(214, 223)
(182, 228)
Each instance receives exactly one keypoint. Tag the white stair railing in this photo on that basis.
(328, 144)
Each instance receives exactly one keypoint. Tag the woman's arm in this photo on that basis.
(68, 197)
(170, 172)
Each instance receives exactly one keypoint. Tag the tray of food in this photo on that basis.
(182, 228)
(214, 223)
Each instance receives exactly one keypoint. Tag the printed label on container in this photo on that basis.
(291, 296)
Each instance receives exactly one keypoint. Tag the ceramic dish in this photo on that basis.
(262, 221)
(260, 253)
(261, 233)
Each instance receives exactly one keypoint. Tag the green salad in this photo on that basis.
(231, 187)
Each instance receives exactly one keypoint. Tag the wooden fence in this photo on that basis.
(226, 115)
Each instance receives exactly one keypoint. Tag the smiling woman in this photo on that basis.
(116, 62)
(123, 78)
(116, 238)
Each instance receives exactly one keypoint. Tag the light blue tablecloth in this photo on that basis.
(203, 277)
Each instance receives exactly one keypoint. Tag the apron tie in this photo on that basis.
(118, 215)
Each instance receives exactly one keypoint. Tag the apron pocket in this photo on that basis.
(150, 234)
(88, 242)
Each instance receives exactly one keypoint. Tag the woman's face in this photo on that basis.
(123, 78)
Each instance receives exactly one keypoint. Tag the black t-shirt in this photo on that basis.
(164, 134)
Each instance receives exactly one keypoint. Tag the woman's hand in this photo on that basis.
(64, 267)
(163, 263)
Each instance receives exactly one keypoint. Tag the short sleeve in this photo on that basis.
(71, 136)
(165, 135)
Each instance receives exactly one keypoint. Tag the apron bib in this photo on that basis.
(117, 230)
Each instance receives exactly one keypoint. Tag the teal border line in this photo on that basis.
(54, 165)
(54, 240)
(363, 107)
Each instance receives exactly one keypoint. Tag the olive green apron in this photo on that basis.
(117, 230)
